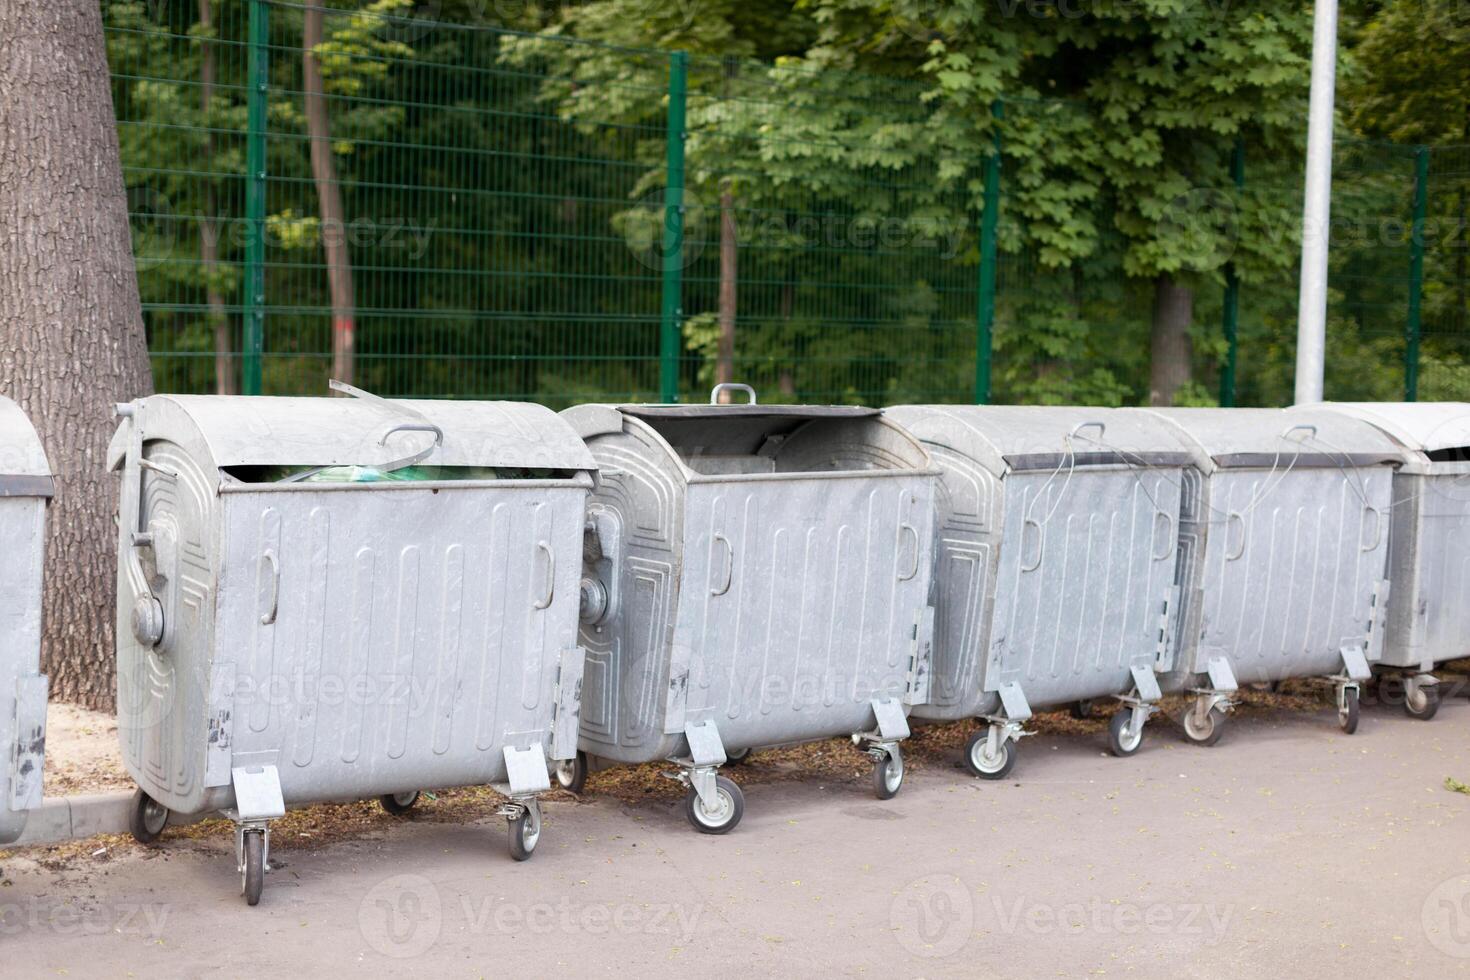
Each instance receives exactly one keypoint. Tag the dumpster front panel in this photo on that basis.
(799, 602)
(1292, 564)
(163, 692)
(1086, 577)
(967, 539)
(390, 640)
(636, 521)
(22, 687)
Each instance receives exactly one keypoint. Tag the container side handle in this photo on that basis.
(273, 581)
(550, 591)
(914, 533)
(1234, 519)
(1033, 566)
(729, 566)
(1169, 537)
(714, 393)
(1377, 528)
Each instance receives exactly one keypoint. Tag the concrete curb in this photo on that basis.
(76, 817)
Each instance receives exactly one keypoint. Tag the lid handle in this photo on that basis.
(714, 394)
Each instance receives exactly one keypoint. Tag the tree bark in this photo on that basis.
(224, 360)
(329, 202)
(1171, 349)
(71, 329)
(729, 246)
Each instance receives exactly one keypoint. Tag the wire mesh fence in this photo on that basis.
(436, 209)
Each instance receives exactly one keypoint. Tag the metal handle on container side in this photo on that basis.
(268, 617)
(1168, 538)
(1377, 528)
(914, 533)
(714, 393)
(729, 565)
(1031, 522)
(550, 592)
(1232, 519)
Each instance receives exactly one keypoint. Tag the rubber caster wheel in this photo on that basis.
(737, 758)
(252, 877)
(525, 831)
(1208, 731)
(1120, 742)
(888, 775)
(399, 803)
(1347, 715)
(1422, 701)
(1081, 710)
(723, 816)
(980, 761)
(146, 818)
(571, 774)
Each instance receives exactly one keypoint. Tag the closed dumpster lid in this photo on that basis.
(24, 471)
(1253, 438)
(1031, 437)
(1427, 427)
(265, 431)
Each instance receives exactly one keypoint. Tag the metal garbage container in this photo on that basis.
(755, 575)
(1055, 580)
(25, 490)
(1429, 538)
(1285, 536)
(324, 599)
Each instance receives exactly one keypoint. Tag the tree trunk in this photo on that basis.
(224, 361)
(71, 330)
(329, 202)
(729, 245)
(1171, 350)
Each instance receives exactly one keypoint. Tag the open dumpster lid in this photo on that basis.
(24, 471)
(265, 431)
(1241, 438)
(747, 411)
(1423, 426)
(1046, 437)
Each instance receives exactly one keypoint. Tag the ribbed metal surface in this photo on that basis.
(776, 597)
(364, 639)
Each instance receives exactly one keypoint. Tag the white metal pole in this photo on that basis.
(1311, 337)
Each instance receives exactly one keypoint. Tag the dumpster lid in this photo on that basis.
(1251, 438)
(24, 471)
(747, 411)
(268, 431)
(1423, 426)
(1033, 437)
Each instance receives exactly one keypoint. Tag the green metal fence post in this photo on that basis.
(673, 288)
(1416, 274)
(989, 223)
(1230, 315)
(258, 84)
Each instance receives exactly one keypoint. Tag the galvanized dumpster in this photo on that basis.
(1285, 533)
(755, 576)
(25, 490)
(324, 599)
(1429, 541)
(1055, 577)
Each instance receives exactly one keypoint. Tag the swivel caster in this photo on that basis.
(571, 774)
(719, 817)
(399, 803)
(982, 762)
(146, 818)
